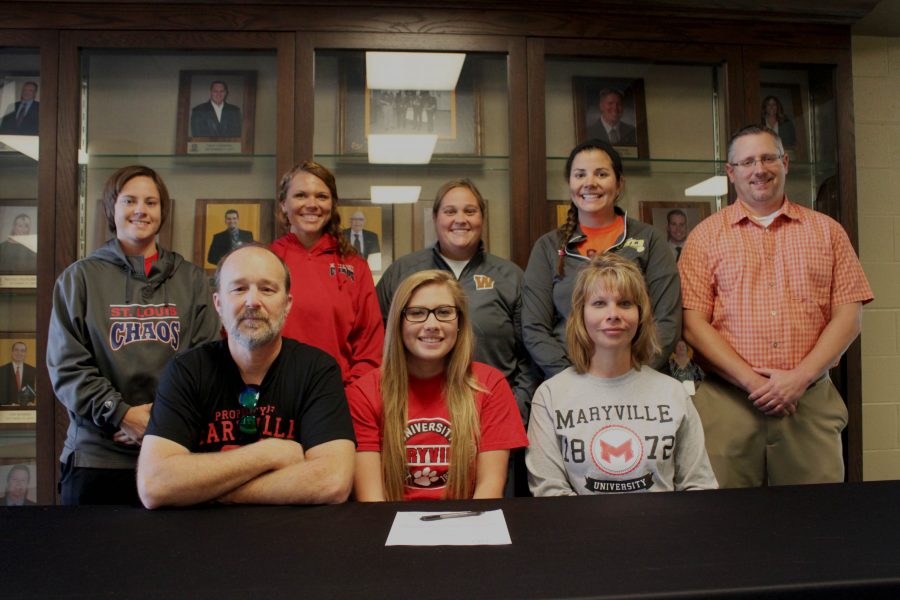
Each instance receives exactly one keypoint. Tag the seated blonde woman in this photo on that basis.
(432, 424)
(606, 424)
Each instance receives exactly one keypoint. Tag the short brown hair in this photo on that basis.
(624, 277)
(752, 130)
(117, 181)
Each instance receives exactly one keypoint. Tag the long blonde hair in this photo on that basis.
(460, 387)
(622, 276)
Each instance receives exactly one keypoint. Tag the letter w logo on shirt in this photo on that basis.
(607, 451)
(483, 282)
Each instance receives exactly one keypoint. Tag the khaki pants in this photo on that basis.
(747, 448)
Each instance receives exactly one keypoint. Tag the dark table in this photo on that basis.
(803, 541)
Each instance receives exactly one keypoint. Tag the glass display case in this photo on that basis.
(155, 108)
(469, 119)
(125, 86)
(20, 102)
(667, 121)
(799, 102)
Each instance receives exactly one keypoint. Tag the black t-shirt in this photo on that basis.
(301, 398)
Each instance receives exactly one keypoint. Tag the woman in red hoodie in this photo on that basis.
(335, 307)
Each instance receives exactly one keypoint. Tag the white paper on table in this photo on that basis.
(487, 529)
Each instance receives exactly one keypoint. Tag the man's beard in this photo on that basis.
(264, 332)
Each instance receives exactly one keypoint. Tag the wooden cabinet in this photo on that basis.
(118, 81)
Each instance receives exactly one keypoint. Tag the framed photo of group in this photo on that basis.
(612, 109)
(216, 112)
(455, 116)
(222, 225)
(370, 229)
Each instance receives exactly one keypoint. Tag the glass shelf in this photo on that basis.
(360, 162)
(13, 159)
(173, 161)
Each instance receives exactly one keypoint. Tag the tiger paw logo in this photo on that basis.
(483, 282)
(616, 450)
(427, 452)
(425, 477)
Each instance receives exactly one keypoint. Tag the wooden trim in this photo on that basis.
(538, 223)
(803, 10)
(518, 151)
(47, 460)
(671, 24)
(287, 133)
(852, 361)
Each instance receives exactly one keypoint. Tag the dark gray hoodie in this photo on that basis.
(112, 331)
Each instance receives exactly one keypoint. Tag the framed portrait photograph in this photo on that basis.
(216, 112)
(675, 219)
(18, 356)
(781, 109)
(222, 225)
(18, 485)
(370, 229)
(612, 109)
(455, 116)
(102, 234)
(18, 243)
(20, 104)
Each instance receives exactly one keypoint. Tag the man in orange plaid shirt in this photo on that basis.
(773, 296)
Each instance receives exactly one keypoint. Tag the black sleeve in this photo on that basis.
(174, 415)
(323, 412)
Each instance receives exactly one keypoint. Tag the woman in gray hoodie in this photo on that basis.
(118, 316)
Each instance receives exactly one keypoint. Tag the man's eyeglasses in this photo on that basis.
(249, 398)
(766, 160)
(419, 314)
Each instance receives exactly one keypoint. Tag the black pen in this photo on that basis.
(452, 515)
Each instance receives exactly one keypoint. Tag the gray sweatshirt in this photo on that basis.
(547, 298)
(638, 432)
(112, 331)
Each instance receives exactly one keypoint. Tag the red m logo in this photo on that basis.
(607, 451)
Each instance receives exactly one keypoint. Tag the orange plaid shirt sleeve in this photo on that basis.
(769, 291)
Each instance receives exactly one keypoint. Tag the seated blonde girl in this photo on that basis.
(430, 423)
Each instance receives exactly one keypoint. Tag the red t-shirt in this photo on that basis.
(148, 263)
(429, 429)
